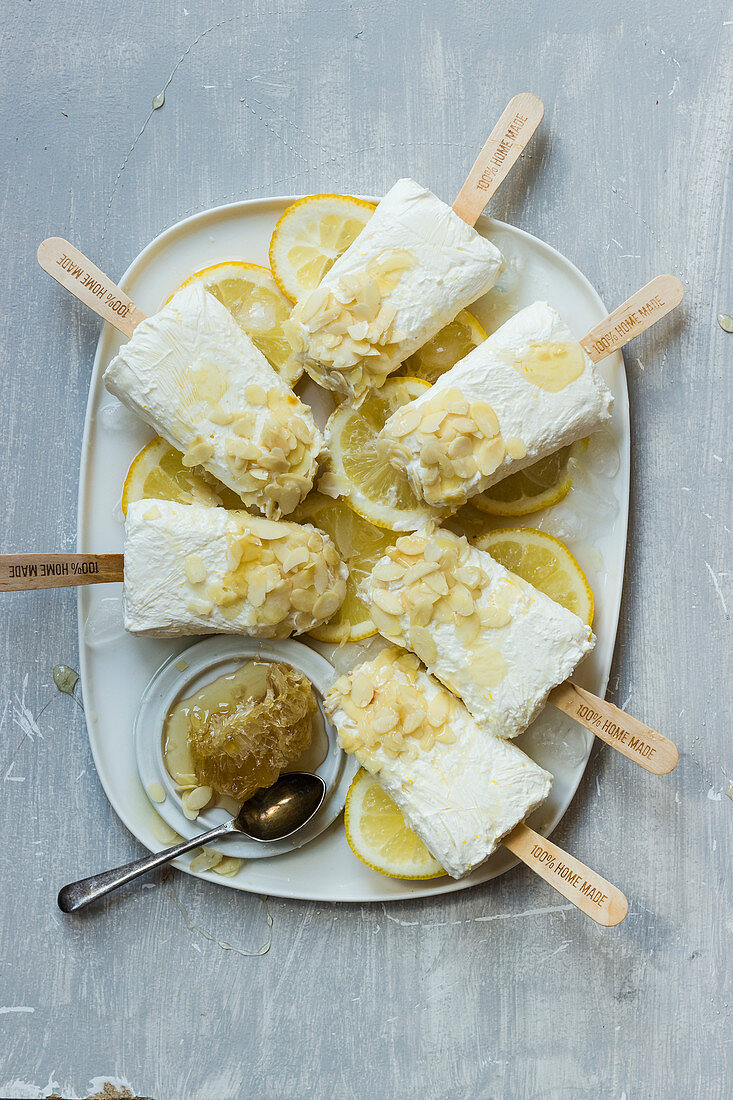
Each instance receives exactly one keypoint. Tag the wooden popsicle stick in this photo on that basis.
(68, 266)
(621, 731)
(23, 572)
(507, 140)
(592, 894)
(638, 313)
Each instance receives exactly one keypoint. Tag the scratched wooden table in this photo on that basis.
(503, 991)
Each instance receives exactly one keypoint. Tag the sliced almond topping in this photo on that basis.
(411, 545)
(460, 447)
(405, 421)
(432, 421)
(259, 475)
(465, 425)
(451, 490)
(274, 461)
(198, 797)
(293, 335)
(244, 448)
(489, 455)
(488, 666)
(470, 575)
(465, 467)
(270, 529)
(384, 319)
(423, 642)
(358, 330)
(255, 394)
(194, 568)
(290, 498)
(431, 452)
(427, 741)
(419, 570)
(303, 599)
(386, 570)
(388, 625)
(411, 721)
(327, 605)
(362, 689)
(332, 559)
(387, 601)
(221, 416)
(309, 306)
(461, 600)
(438, 710)
(494, 617)
(332, 485)
(200, 607)
(257, 589)
(322, 576)
(243, 426)
(438, 583)
(297, 556)
(200, 451)
(485, 418)
(384, 720)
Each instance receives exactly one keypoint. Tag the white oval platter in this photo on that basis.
(115, 667)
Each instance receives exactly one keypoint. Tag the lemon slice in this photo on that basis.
(310, 235)
(158, 473)
(378, 836)
(256, 302)
(530, 490)
(367, 482)
(452, 343)
(545, 562)
(360, 545)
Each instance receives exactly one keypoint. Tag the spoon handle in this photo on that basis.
(78, 894)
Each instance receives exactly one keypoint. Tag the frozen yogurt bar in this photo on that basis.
(460, 789)
(412, 268)
(191, 569)
(491, 638)
(195, 376)
(526, 391)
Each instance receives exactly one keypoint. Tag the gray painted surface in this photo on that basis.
(500, 991)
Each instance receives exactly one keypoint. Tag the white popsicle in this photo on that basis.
(191, 569)
(525, 392)
(412, 268)
(459, 788)
(197, 378)
(491, 638)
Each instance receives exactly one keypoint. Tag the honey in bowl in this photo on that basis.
(238, 733)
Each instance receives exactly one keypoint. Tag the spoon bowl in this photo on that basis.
(280, 810)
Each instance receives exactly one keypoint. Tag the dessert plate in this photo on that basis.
(116, 668)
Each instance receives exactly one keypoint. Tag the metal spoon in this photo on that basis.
(271, 814)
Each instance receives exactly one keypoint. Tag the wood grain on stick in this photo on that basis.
(505, 143)
(593, 895)
(23, 572)
(68, 266)
(621, 731)
(638, 313)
